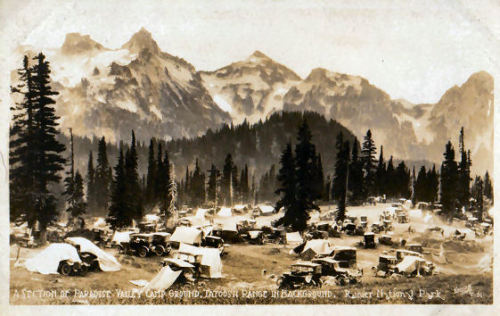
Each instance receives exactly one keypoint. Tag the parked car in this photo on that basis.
(332, 267)
(301, 274)
(363, 222)
(369, 240)
(214, 242)
(385, 240)
(415, 247)
(144, 245)
(386, 264)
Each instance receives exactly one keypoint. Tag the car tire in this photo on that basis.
(66, 268)
(142, 252)
(159, 250)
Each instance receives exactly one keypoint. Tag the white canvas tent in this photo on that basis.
(187, 235)
(210, 260)
(163, 280)
(293, 238)
(316, 247)
(121, 237)
(265, 210)
(201, 212)
(47, 261)
(225, 212)
(409, 264)
(107, 262)
(152, 218)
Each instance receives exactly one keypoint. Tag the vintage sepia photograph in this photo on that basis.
(249, 152)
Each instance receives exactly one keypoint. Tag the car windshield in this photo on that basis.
(302, 269)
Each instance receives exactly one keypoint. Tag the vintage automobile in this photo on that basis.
(385, 240)
(369, 240)
(332, 267)
(301, 274)
(144, 245)
(363, 221)
(402, 218)
(387, 224)
(415, 247)
(376, 227)
(350, 228)
(346, 256)
(72, 268)
(255, 237)
(214, 242)
(386, 264)
(273, 235)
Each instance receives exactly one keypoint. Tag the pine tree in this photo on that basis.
(91, 194)
(463, 185)
(69, 181)
(159, 179)
(305, 154)
(76, 202)
(449, 179)
(380, 173)
(165, 181)
(213, 178)
(368, 152)
(103, 176)
(328, 187)
(478, 192)
(198, 186)
(488, 187)
(287, 187)
(422, 186)
(119, 210)
(22, 155)
(433, 184)
(48, 160)
(172, 194)
(355, 180)
(235, 184)
(151, 176)
(341, 176)
(133, 188)
(319, 178)
(390, 184)
(226, 181)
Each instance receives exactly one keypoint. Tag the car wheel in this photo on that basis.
(83, 270)
(142, 252)
(159, 250)
(66, 268)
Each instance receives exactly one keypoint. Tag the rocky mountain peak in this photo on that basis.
(140, 41)
(76, 43)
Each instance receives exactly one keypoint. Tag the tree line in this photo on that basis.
(36, 160)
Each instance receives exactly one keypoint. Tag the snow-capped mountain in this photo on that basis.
(250, 89)
(109, 92)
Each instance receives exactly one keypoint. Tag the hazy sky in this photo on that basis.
(414, 50)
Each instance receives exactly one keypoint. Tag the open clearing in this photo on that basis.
(464, 276)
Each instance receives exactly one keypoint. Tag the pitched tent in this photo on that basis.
(225, 212)
(163, 280)
(107, 262)
(47, 261)
(194, 220)
(265, 210)
(152, 218)
(409, 264)
(121, 237)
(187, 235)
(316, 247)
(211, 265)
(201, 212)
(293, 238)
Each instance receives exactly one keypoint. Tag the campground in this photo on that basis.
(464, 272)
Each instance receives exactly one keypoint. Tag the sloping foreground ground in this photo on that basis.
(244, 283)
